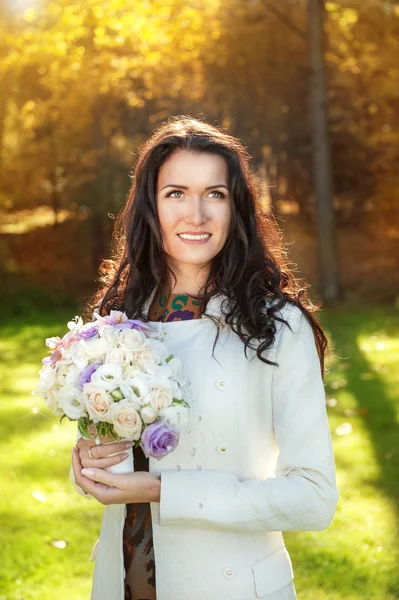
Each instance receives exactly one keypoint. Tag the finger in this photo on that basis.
(86, 484)
(119, 481)
(77, 468)
(101, 463)
(106, 449)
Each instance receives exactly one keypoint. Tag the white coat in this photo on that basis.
(255, 459)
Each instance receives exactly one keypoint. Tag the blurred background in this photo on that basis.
(312, 89)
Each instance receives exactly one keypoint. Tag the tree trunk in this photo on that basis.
(322, 170)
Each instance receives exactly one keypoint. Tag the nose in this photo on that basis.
(196, 211)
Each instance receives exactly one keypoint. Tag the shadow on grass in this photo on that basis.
(378, 410)
(373, 395)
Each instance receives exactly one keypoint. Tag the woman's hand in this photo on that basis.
(101, 452)
(108, 488)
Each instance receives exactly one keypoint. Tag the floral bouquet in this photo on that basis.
(112, 374)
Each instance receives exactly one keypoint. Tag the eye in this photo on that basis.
(174, 192)
(222, 195)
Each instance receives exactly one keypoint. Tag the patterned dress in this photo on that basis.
(138, 551)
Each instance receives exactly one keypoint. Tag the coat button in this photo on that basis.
(229, 572)
(221, 448)
(221, 384)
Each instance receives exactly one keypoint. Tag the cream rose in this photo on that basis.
(132, 340)
(159, 398)
(126, 420)
(98, 402)
(148, 414)
(146, 360)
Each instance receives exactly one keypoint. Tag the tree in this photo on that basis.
(322, 171)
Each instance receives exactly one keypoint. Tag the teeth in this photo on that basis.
(188, 236)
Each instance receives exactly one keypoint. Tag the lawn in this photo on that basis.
(47, 530)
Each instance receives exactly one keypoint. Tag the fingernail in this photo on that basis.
(89, 472)
(128, 444)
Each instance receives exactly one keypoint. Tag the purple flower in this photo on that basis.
(87, 334)
(159, 439)
(131, 324)
(51, 360)
(87, 373)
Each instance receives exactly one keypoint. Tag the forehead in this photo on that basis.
(193, 169)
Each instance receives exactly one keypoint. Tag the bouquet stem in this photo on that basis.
(126, 466)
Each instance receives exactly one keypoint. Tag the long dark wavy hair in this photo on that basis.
(250, 269)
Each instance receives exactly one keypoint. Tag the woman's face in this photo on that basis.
(193, 197)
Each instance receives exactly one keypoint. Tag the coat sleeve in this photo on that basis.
(303, 494)
(72, 477)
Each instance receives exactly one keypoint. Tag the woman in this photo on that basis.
(255, 458)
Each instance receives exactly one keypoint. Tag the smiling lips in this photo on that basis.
(188, 238)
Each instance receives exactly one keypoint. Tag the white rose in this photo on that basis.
(95, 348)
(132, 340)
(159, 398)
(98, 402)
(110, 334)
(77, 352)
(146, 360)
(118, 356)
(130, 372)
(148, 414)
(126, 420)
(107, 377)
(52, 401)
(47, 378)
(176, 415)
(72, 376)
(71, 401)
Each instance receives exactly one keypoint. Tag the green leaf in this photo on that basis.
(83, 428)
(117, 395)
(181, 402)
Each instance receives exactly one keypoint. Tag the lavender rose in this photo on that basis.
(88, 333)
(87, 372)
(159, 439)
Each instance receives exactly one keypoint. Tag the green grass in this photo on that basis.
(355, 558)
(35, 450)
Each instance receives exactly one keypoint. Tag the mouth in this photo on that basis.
(194, 239)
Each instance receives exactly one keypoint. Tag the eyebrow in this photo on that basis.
(184, 187)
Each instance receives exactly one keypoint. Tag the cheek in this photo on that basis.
(223, 218)
(166, 219)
